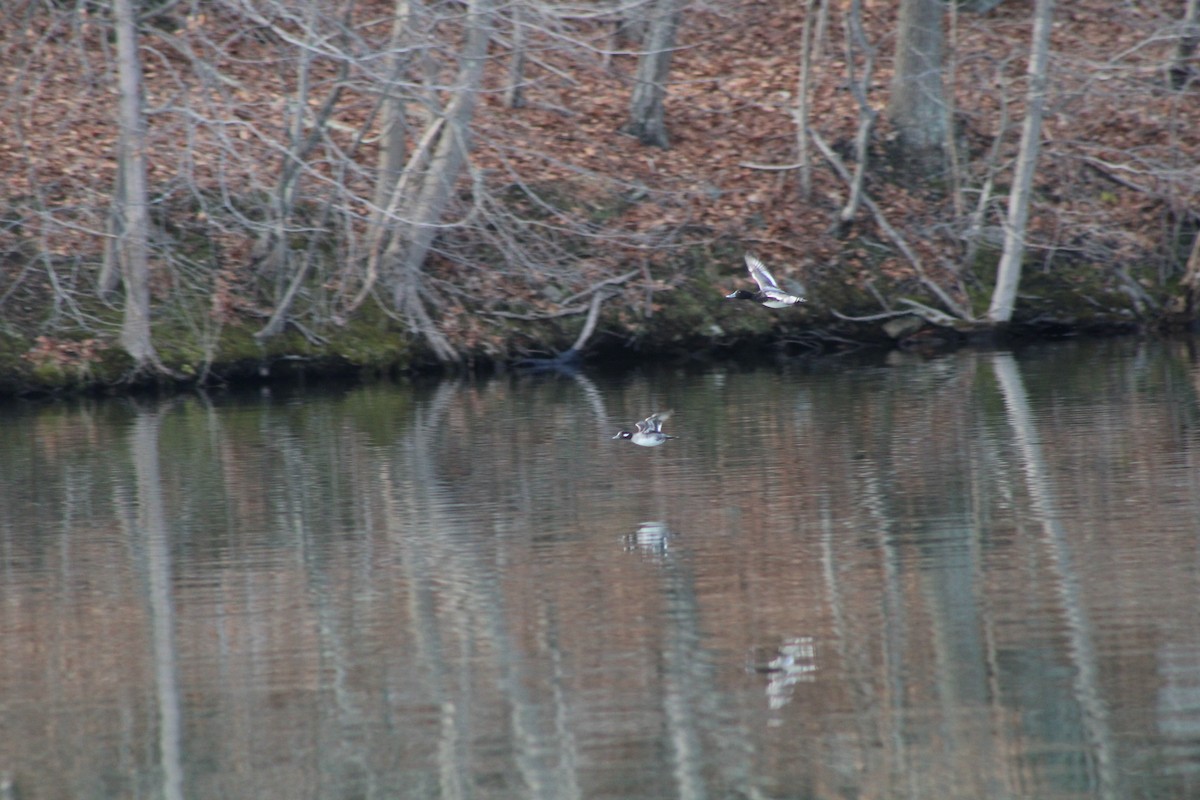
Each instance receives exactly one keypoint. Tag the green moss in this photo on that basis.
(982, 276)
(1083, 293)
(366, 342)
(11, 348)
(54, 376)
(371, 342)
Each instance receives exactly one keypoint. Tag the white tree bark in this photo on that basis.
(1182, 71)
(800, 110)
(514, 95)
(1008, 275)
(427, 208)
(304, 134)
(857, 46)
(917, 105)
(1191, 282)
(393, 121)
(646, 111)
(134, 233)
(393, 173)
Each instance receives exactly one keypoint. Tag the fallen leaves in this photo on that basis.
(64, 353)
(730, 96)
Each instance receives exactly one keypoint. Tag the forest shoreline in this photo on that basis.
(201, 194)
(692, 323)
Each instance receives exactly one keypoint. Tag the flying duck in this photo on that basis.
(649, 431)
(769, 293)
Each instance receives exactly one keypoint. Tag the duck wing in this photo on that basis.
(760, 274)
(654, 422)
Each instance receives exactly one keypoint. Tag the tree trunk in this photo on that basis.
(646, 107)
(514, 95)
(393, 122)
(1182, 71)
(800, 110)
(857, 47)
(392, 175)
(1191, 282)
(305, 132)
(134, 233)
(1008, 275)
(449, 156)
(110, 264)
(917, 106)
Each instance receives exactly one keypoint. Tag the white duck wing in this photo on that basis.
(760, 274)
(654, 422)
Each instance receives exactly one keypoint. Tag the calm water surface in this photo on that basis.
(969, 577)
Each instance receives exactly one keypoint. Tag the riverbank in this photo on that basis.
(287, 231)
(683, 318)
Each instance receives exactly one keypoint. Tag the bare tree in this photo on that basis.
(1183, 70)
(917, 106)
(428, 202)
(269, 202)
(803, 89)
(132, 201)
(394, 120)
(391, 179)
(1008, 274)
(1191, 282)
(646, 112)
(858, 47)
(514, 95)
(424, 95)
(305, 131)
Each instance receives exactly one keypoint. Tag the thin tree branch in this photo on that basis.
(869, 317)
(866, 115)
(589, 325)
(601, 284)
(773, 167)
(569, 310)
(888, 230)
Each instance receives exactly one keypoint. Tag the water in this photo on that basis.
(969, 577)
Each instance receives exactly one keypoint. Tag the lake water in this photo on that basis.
(975, 576)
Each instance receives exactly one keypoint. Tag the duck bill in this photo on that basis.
(731, 295)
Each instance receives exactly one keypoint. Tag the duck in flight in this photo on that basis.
(769, 293)
(649, 431)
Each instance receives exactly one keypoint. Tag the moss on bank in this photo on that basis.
(683, 313)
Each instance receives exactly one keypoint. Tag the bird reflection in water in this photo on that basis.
(651, 538)
(794, 661)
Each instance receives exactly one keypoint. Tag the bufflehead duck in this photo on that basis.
(649, 431)
(769, 293)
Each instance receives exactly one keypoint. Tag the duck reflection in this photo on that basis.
(794, 661)
(651, 538)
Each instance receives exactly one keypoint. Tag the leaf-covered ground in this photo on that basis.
(1111, 228)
